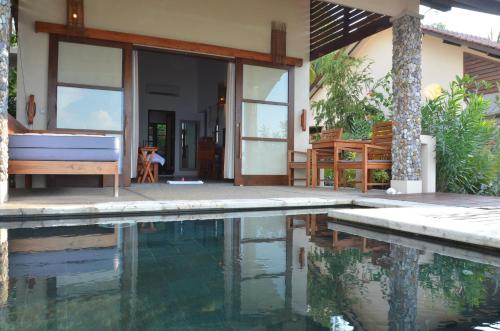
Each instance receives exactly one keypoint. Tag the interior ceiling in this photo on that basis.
(334, 26)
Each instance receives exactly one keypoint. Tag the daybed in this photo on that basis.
(65, 152)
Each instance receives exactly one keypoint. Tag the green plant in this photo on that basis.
(462, 283)
(467, 153)
(12, 100)
(381, 176)
(354, 99)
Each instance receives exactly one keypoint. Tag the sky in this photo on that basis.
(465, 21)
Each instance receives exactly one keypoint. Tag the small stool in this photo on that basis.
(146, 155)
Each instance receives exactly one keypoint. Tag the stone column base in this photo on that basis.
(4, 191)
(407, 186)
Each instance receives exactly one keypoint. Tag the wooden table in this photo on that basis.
(332, 146)
(146, 155)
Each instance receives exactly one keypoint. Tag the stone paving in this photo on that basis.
(469, 219)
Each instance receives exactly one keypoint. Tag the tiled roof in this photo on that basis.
(483, 44)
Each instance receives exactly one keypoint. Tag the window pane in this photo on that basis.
(265, 84)
(89, 65)
(89, 109)
(265, 121)
(263, 158)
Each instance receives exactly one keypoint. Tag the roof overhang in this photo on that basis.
(334, 26)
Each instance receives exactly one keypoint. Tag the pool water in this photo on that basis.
(271, 272)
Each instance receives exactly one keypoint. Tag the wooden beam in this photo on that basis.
(142, 40)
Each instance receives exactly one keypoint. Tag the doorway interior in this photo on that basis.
(182, 112)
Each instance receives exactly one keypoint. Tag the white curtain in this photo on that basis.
(135, 115)
(230, 111)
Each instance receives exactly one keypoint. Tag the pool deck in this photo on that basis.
(469, 219)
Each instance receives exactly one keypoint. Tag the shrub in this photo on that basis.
(467, 153)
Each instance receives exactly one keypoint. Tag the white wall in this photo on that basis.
(234, 23)
(197, 80)
(440, 62)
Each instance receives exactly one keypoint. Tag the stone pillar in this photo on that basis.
(4, 268)
(407, 76)
(5, 19)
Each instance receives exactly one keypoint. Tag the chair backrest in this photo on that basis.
(331, 134)
(382, 133)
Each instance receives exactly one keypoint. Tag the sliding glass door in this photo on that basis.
(264, 124)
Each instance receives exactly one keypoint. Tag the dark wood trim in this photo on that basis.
(137, 39)
(262, 102)
(183, 53)
(128, 118)
(260, 179)
(52, 83)
(280, 140)
(91, 87)
(291, 109)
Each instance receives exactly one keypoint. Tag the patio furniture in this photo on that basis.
(375, 155)
(147, 169)
(322, 156)
(296, 163)
(64, 152)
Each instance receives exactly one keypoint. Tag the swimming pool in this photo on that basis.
(247, 272)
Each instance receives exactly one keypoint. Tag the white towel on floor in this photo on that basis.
(185, 182)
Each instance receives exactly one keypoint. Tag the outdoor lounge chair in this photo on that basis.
(62, 152)
(374, 156)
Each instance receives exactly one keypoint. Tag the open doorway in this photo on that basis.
(181, 112)
(161, 133)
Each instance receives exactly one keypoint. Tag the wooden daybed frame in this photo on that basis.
(34, 167)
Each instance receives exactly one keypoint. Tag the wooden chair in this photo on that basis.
(323, 159)
(303, 164)
(374, 156)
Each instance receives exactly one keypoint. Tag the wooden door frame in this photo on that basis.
(127, 49)
(248, 180)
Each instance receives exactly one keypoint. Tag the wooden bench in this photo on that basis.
(41, 167)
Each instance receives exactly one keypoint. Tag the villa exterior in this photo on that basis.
(91, 56)
(445, 55)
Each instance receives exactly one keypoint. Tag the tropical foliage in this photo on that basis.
(467, 151)
(354, 100)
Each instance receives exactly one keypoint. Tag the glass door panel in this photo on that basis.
(262, 124)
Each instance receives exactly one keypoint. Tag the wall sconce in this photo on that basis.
(75, 14)
(303, 120)
(221, 94)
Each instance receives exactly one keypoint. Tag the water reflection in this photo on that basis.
(272, 272)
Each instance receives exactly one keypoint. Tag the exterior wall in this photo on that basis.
(440, 62)
(240, 24)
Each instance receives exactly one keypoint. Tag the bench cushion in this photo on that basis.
(63, 147)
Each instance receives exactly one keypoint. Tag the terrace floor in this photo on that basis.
(20, 198)
(469, 219)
